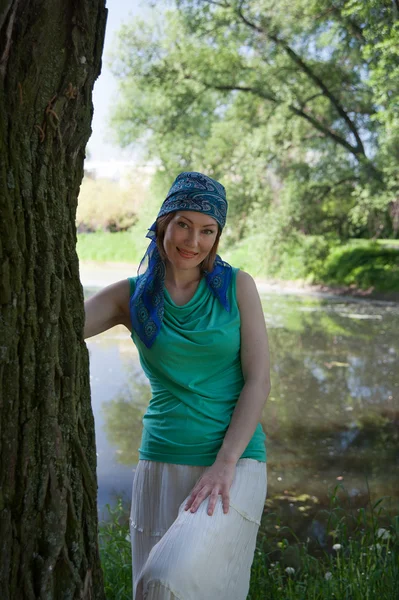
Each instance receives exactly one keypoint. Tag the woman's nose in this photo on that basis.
(192, 238)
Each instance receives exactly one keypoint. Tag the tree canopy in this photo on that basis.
(292, 104)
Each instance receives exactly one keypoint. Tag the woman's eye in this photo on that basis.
(182, 224)
(208, 231)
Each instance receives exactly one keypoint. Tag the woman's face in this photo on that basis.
(189, 238)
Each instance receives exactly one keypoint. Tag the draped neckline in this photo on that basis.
(192, 300)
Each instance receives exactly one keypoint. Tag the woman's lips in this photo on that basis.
(185, 254)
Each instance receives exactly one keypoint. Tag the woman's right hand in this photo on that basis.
(108, 308)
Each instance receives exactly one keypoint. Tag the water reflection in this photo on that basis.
(107, 376)
(332, 417)
(123, 416)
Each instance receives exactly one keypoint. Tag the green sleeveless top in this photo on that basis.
(194, 369)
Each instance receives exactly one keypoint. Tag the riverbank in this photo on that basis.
(323, 290)
(358, 268)
(96, 274)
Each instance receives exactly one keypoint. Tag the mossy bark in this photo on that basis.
(50, 56)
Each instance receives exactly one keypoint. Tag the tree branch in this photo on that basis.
(311, 75)
(328, 132)
(304, 102)
(240, 88)
(328, 188)
(220, 4)
(297, 111)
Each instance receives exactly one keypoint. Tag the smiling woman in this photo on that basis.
(190, 234)
(199, 328)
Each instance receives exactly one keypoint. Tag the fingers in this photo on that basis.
(198, 496)
(226, 502)
(212, 501)
(214, 498)
(190, 499)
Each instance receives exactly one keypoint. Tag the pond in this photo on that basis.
(331, 419)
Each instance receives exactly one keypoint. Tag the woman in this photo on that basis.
(200, 485)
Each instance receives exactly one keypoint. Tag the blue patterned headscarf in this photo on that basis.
(190, 191)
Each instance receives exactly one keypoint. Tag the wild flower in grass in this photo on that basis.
(337, 547)
(383, 534)
(376, 547)
(328, 575)
(290, 571)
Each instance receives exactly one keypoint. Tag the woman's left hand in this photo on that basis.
(215, 480)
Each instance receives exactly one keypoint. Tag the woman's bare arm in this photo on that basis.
(107, 308)
(218, 479)
(255, 363)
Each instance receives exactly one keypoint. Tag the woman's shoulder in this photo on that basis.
(243, 278)
(245, 285)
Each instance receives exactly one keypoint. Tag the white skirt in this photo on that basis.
(179, 555)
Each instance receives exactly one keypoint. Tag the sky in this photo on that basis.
(105, 89)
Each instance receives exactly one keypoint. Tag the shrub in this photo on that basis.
(363, 265)
(104, 205)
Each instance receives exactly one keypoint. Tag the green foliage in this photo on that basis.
(364, 266)
(115, 553)
(297, 257)
(104, 247)
(291, 103)
(360, 559)
(360, 569)
(381, 51)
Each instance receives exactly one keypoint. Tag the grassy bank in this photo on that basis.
(361, 560)
(110, 247)
(360, 263)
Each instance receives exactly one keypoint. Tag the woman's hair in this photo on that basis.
(161, 226)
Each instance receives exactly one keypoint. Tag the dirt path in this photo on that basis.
(94, 274)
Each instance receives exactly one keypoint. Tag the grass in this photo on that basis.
(109, 247)
(356, 571)
(392, 243)
(361, 563)
(115, 551)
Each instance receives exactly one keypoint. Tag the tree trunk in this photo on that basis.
(50, 56)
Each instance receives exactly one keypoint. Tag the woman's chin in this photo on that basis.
(179, 262)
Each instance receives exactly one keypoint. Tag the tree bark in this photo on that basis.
(50, 56)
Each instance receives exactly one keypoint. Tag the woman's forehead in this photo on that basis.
(197, 218)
